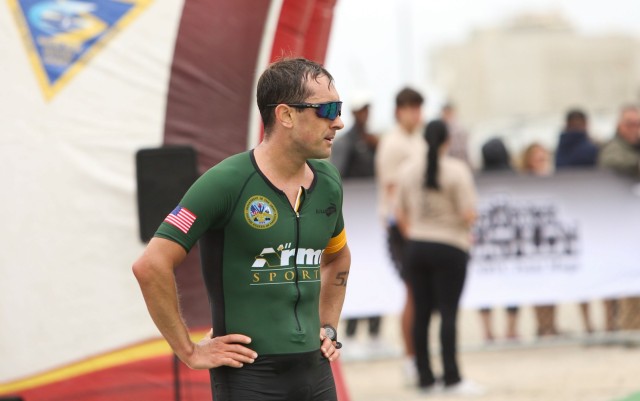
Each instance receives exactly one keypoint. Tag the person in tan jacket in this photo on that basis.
(436, 211)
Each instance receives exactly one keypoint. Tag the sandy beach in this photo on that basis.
(599, 367)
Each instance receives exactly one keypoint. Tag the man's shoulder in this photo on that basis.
(326, 168)
(392, 142)
(616, 146)
(391, 134)
(232, 169)
(238, 161)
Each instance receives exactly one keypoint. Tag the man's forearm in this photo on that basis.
(335, 274)
(160, 294)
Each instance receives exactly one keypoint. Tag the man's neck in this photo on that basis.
(406, 130)
(278, 163)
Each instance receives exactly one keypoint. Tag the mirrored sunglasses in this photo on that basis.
(328, 110)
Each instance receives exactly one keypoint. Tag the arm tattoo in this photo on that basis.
(341, 279)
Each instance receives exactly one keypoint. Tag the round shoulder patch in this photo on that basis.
(260, 212)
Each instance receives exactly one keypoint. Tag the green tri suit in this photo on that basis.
(260, 255)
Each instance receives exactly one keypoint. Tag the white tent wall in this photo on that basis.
(70, 230)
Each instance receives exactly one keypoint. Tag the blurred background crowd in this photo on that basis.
(527, 96)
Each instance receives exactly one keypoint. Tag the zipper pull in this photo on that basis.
(298, 201)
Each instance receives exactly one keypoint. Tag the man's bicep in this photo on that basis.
(164, 251)
(343, 256)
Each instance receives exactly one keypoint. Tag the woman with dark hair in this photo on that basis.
(436, 209)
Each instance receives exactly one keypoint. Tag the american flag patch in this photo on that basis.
(181, 218)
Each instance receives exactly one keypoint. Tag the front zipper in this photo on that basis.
(295, 265)
(296, 209)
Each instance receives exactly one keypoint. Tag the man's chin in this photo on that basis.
(321, 155)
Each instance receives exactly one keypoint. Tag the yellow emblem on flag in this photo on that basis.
(62, 36)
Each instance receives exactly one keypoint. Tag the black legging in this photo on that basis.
(437, 273)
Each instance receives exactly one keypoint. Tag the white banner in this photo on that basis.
(569, 237)
(67, 157)
(374, 286)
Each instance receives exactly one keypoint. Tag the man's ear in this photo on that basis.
(284, 115)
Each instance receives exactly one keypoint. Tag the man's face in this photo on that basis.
(361, 116)
(629, 126)
(577, 124)
(409, 116)
(313, 136)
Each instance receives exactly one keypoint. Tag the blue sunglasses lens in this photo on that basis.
(330, 110)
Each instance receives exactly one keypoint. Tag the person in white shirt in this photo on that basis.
(395, 148)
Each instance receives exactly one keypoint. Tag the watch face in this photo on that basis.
(330, 332)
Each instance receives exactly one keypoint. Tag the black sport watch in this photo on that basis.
(332, 334)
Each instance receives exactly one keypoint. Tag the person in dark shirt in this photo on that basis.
(575, 148)
(354, 152)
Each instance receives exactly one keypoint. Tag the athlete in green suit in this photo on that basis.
(274, 253)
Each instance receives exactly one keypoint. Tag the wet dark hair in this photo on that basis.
(284, 81)
(436, 133)
(409, 97)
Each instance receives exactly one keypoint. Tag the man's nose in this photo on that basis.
(337, 123)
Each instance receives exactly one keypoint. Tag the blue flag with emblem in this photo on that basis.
(62, 35)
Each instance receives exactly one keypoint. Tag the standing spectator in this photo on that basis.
(353, 154)
(622, 154)
(496, 158)
(575, 149)
(436, 209)
(536, 160)
(402, 143)
(458, 136)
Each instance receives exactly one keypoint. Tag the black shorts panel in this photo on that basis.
(292, 377)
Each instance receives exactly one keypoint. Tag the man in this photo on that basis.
(458, 136)
(622, 153)
(575, 148)
(274, 253)
(402, 143)
(353, 153)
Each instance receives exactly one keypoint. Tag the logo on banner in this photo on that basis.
(527, 236)
(62, 35)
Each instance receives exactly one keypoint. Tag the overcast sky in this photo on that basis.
(379, 46)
